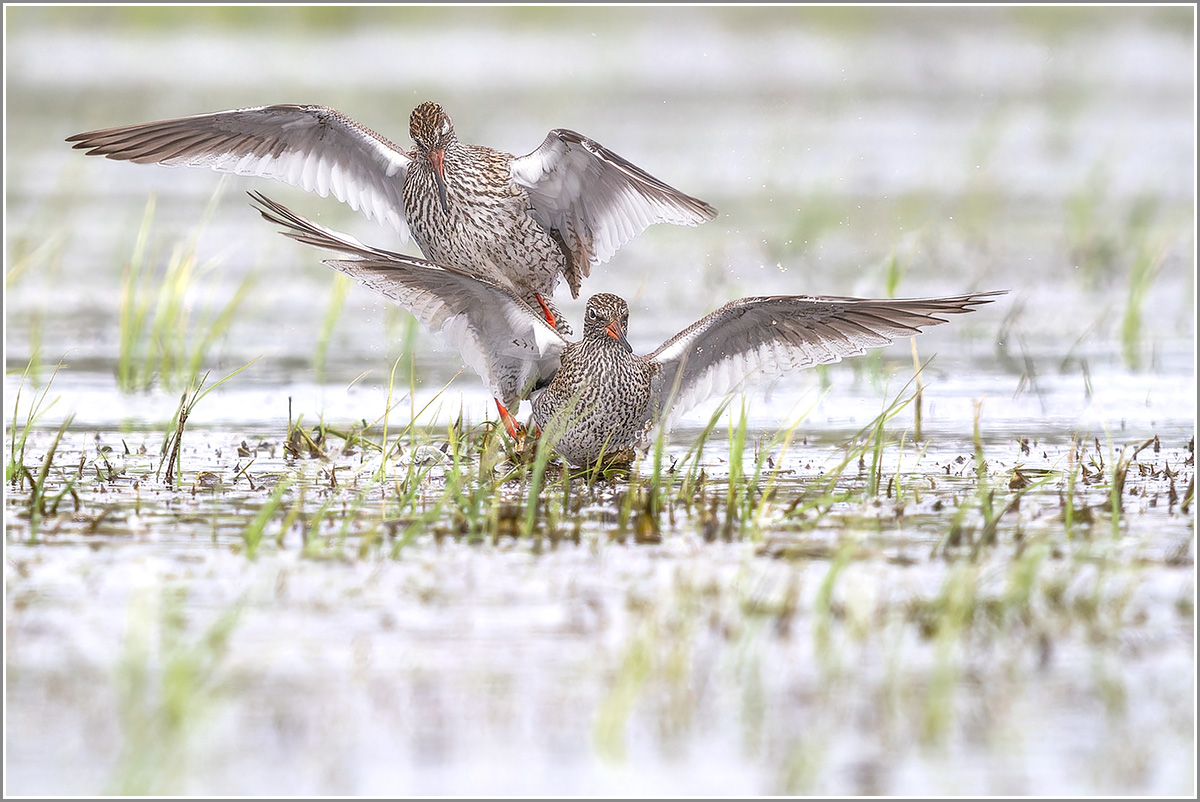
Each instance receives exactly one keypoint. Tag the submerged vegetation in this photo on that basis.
(476, 482)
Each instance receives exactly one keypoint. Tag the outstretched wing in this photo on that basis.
(498, 335)
(754, 339)
(596, 200)
(313, 147)
(304, 230)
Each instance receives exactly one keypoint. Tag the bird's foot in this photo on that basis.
(618, 461)
(515, 430)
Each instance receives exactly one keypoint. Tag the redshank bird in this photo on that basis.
(523, 222)
(596, 396)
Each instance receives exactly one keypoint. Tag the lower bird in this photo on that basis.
(595, 397)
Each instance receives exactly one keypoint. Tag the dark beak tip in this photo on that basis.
(617, 334)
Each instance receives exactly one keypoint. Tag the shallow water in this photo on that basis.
(1045, 153)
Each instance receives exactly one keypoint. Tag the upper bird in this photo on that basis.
(522, 222)
(595, 397)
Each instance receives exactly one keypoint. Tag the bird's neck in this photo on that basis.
(604, 342)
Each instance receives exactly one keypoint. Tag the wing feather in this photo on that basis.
(513, 350)
(596, 199)
(315, 148)
(498, 335)
(755, 339)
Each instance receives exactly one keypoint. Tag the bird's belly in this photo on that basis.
(607, 418)
(488, 234)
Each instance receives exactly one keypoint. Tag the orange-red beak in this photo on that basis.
(617, 332)
(436, 158)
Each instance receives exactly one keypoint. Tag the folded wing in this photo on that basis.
(596, 200)
(315, 148)
(498, 335)
(752, 340)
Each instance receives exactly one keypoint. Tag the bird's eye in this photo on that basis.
(591, 314)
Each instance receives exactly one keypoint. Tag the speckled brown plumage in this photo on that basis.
(520, 222)
(464, 209)
(595, 406)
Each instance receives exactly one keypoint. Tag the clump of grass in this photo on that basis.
(612, 716)
(991, 509)
(919, 396)
(408, 434)
(1114, 504)
(1105, 244)
(656, 496)
(162, 340)
(423, 481)
(1070, 510)
(46, 254)
(41, 503)
(384, 449)
(778, 444)
(463, 497)
(657, 671)
(173, 439)
(869, 442)
(893, 273)
(823, 606)
(959, 530)
(747, 497)
(693, 481)
(17, 442)
(736, 490)
(1023, 580)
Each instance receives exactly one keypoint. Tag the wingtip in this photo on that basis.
(263, 205)
(988, 297)
(705, 212)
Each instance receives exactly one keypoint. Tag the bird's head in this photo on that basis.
(432, 130)
(430, 127)
(607, 317)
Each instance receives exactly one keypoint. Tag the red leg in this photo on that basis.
(550, 318)
(510, 423)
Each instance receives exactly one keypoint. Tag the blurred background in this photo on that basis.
(885, 151)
